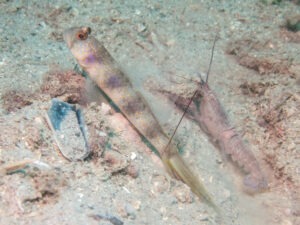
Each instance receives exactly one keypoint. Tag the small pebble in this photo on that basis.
(138, 12)
(226, 194)
(114, 161)
(132, 170)
(105, 108)
(160, 184)
(137, 205)
(286, 222)
(102, 134)
(288, 211)
(38, 120)
(170, 42)
(141, 28)
(126, 210)
(183, 194)
(130, 211)
(163, 212)
(133, 156)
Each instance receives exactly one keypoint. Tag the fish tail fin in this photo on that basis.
(176, 166)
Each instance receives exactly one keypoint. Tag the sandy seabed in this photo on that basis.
(161, 45)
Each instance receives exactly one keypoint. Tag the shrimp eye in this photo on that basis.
(84, 33)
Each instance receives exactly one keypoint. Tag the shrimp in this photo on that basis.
(206, 110)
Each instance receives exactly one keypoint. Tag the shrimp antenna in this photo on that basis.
(211, 58)
(194, 95)
(185, 110)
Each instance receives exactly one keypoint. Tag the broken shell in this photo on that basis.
(67, 124)
(159, 183)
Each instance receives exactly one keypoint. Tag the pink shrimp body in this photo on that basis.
(213, 120)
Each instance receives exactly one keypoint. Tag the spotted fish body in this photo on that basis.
(104, 71)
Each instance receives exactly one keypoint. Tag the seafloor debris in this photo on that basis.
(255, 89)
(291, 29)
(159, 184)
(65, 85)
(271, 118)
(13, 167)
(14, 100)
(115, 162)
(67, 123)
(183, 194)
(265, 65)
(112, 219)
(293, 23)
(259, 56)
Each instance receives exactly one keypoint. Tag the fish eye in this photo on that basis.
(83, 33)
